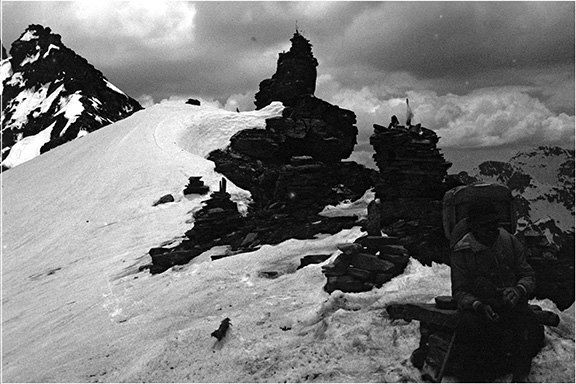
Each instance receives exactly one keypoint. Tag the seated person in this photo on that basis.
(491, 282)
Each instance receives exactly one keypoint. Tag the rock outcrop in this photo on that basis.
(218, 217)
(367, 263)
(219, 223)
(51, 95)
(296, 159)
(293, 168)
(168, 198)
(411, 183)
(195, 186)
(410, 164)
(295, 76)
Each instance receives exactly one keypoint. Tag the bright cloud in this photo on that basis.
(146, 100)
(156, 24)
(487, 117)
(492, 117)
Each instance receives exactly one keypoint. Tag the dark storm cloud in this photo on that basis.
(357, 42)
(481, 73)
(438, 39)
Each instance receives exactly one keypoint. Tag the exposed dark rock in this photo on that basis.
(296, 160)
(269, 274)
(411, 183)
(260, 144)
(410, 165)
(196, 186)
(4, 54)
(193, 102)
(43, 65)
(164, 261)
(302, 182)
(293, 168)
(295, 76)
(374, 218)
(462, 178)
(164, 199)
(312, 259)
(218, 217)
(360, 268)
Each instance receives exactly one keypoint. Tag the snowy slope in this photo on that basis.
(79, 220)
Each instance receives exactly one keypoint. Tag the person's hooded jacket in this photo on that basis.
(479, 272)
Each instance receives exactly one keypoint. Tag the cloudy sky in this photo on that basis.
(489, 77)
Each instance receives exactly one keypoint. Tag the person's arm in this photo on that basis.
(523, 271)
(461, 282)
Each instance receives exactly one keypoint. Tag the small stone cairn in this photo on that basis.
(367, 263)
(196, 186)
(218, 217)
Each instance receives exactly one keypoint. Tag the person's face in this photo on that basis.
(486, 231)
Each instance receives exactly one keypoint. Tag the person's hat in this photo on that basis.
(482, 212)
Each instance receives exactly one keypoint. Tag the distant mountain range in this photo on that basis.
(51, 95)
(542, 181)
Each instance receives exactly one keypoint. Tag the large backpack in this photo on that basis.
(457, 200)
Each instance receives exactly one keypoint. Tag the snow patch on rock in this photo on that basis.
(28, 148)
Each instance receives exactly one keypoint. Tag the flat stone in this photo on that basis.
(369, 263)
(350, 248)
(427, 313)
(375, 242)
(164, 199)
(313, 259)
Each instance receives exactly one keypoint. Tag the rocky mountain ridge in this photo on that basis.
(542, 181)
(300, 153)
(51, 95)
(293, 168)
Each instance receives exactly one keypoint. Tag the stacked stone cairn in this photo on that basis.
(410, 185)
(196, 186)
(294, 77)
(367, 263)
(410, 164)
(218, 217)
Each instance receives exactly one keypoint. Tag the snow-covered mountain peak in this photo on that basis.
(542, 180)
(51, 95)
(546, 164)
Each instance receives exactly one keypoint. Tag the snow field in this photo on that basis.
(78, 221)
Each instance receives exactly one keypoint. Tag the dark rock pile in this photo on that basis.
(218, 217)
(293, 168)
(367, 263)
(303, 148)
(193, 102)
(410, 185)
(219, 223)
(196, 186)
(410, 164)
(168, 198)
(295, 76)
